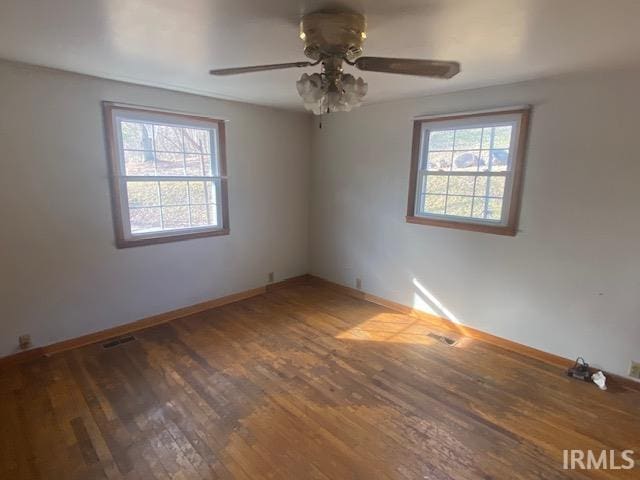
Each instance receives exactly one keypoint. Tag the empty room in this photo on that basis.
(298, 239)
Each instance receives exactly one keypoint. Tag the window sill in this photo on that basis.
(137, 242)
(507, 230)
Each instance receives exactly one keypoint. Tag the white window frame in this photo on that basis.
(518, 120)
(114, 115)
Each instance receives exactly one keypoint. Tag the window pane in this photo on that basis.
(483, 165)
(143, 194)
(479, 206)
(496, 186)
(466, 161)
(481, 186)
(494, 160)
(202, 192)
(434, 204)
(503, 137)
(145, 219)
(487, 138)
(489, 208)
(459, 206)
(468, 139)
(174, 193)
(175, 217)
(436, 184)
(136, 136)
(199, 165)
(439, 161)
(199, 215)
(494, 209)
(194, 164)
(139, 163)
(441, 140)
(461, 185)
(499, 160)
(168, 138)
(496, 137)
(197, 192)
(197, 140)
(170, 163)
(490, 186)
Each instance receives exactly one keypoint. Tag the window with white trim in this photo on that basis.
(467, 169)
(169, 175)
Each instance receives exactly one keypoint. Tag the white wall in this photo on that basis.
(568, 283)
(60, 273)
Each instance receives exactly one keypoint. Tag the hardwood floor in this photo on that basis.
(303, 383)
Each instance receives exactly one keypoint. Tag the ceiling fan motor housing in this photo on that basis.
(327, 34)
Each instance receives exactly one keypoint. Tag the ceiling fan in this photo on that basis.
(334, 38)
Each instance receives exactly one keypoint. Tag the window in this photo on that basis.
(466, 171)
(168, 175)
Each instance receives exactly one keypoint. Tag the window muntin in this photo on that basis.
(168, 174)
(466, 169)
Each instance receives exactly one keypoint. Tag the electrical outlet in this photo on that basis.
(634, 369)
(24, 341)
(271, 277)
(358, 283)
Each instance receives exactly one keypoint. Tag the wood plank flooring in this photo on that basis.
(303, 383)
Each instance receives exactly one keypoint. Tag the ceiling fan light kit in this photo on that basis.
(332, 38)
(335, 38)
(320, 96)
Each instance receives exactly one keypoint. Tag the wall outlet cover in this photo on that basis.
(634, 369)
(359, 283)
(271, 277)
(24, 341)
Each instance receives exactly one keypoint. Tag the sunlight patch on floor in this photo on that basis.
(431, 316)
(390, 327)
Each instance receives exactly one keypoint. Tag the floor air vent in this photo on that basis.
(450, 342)
(118, 341)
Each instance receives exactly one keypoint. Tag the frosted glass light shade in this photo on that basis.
(319, 99)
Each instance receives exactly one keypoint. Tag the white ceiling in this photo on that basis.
(173, 43)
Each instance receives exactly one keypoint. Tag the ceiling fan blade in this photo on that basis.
(258, 68)
(409, 66)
